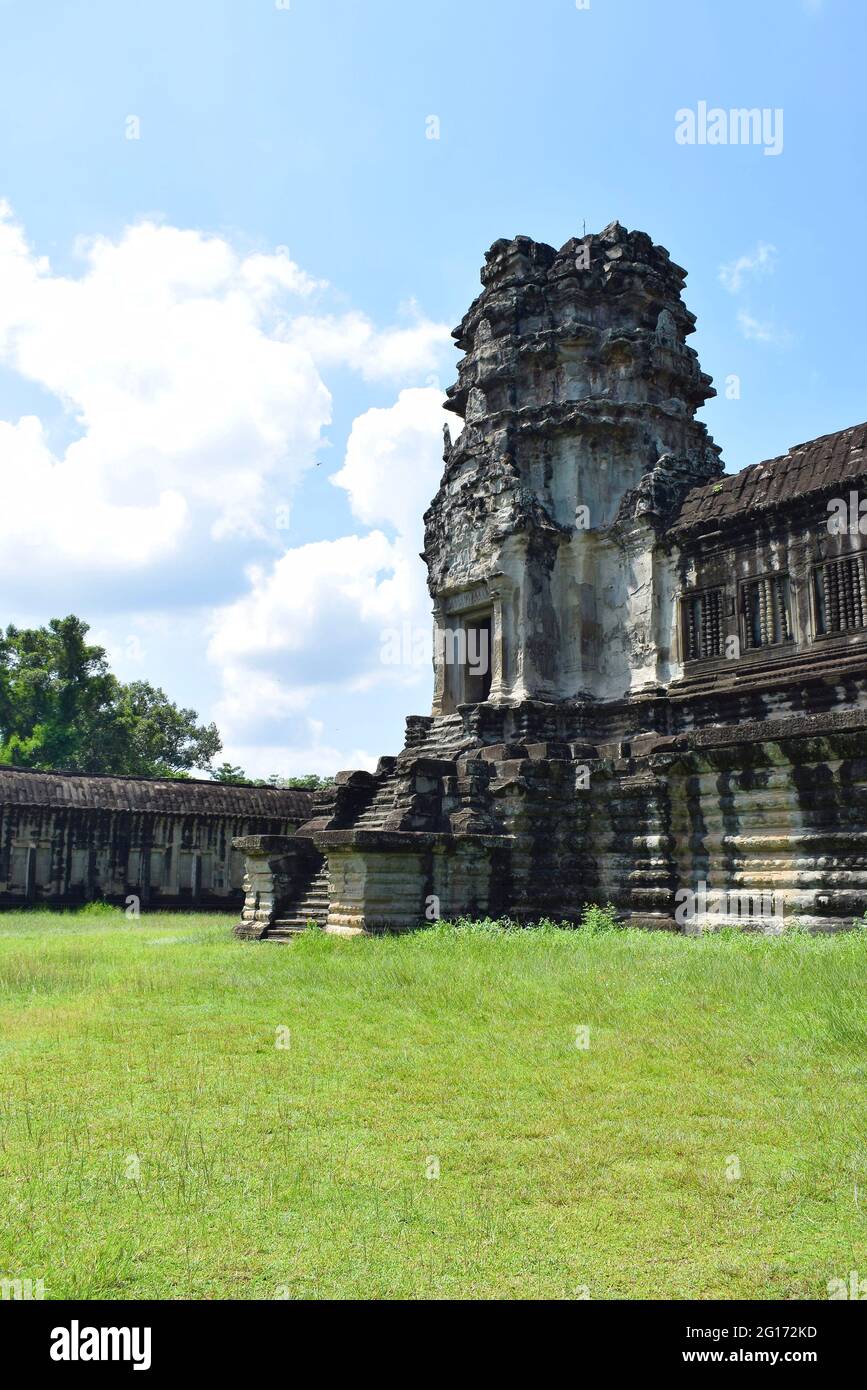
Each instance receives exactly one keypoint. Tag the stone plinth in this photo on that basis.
(274, 866)
(397, 881)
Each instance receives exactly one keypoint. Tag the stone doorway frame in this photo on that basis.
(464, 610)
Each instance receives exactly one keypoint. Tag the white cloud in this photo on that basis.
(389, 354)
(317, 618)
(313, 754)
(759, 262)
(55, 514)
(192, 380)
(394, 460)
(165, 353)
(310, 603)
(262, 273)
(190, 383)
(756, 331)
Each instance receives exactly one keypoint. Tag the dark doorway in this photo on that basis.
(478, 660)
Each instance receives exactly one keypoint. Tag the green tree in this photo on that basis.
(226, 772)
(311, 781)
(61, 707)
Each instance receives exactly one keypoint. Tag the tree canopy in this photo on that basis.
(229, 773)
(61, 707)
(310, 781)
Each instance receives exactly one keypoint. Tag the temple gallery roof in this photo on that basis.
(831, 461)
(163, 796)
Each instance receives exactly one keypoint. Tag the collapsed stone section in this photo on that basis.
(650, 678)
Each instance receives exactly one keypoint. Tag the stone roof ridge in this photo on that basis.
(823, 439)
(131, 777)
(171, 795)
(813, 466)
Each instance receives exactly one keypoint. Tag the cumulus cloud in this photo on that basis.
(190, 377)
(761, 261)
(312, 604)
(394, 460)
(50, 511)
(166, 356)
(189, 381)
(320, 616)
(389, 354)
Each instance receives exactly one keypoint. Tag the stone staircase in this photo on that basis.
(373, 817)
(312, 906)
(396, 797)
(445, 738)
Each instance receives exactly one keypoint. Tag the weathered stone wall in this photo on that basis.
(779, 807)
(510, 823)
(66, 839)
(763, 809)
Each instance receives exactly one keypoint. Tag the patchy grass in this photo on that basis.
(155, 1142)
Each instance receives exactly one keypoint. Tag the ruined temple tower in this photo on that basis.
(673, 695)
(578, 393)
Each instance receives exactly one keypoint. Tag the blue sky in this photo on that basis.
(290, 146)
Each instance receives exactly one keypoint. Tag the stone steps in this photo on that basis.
(373, 817)
(444, 742)
(443, 724)
(311, 907)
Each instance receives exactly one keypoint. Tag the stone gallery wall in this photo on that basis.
(67, 838)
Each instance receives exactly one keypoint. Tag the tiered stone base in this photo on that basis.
(391, 881)
(760, 824)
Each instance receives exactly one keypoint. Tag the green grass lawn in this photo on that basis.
(155, 1142)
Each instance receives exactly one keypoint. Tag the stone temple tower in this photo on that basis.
(650, 677)
(578, 393)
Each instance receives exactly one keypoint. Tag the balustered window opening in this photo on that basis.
(840, 595)
(703, 626)
(766, 611)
